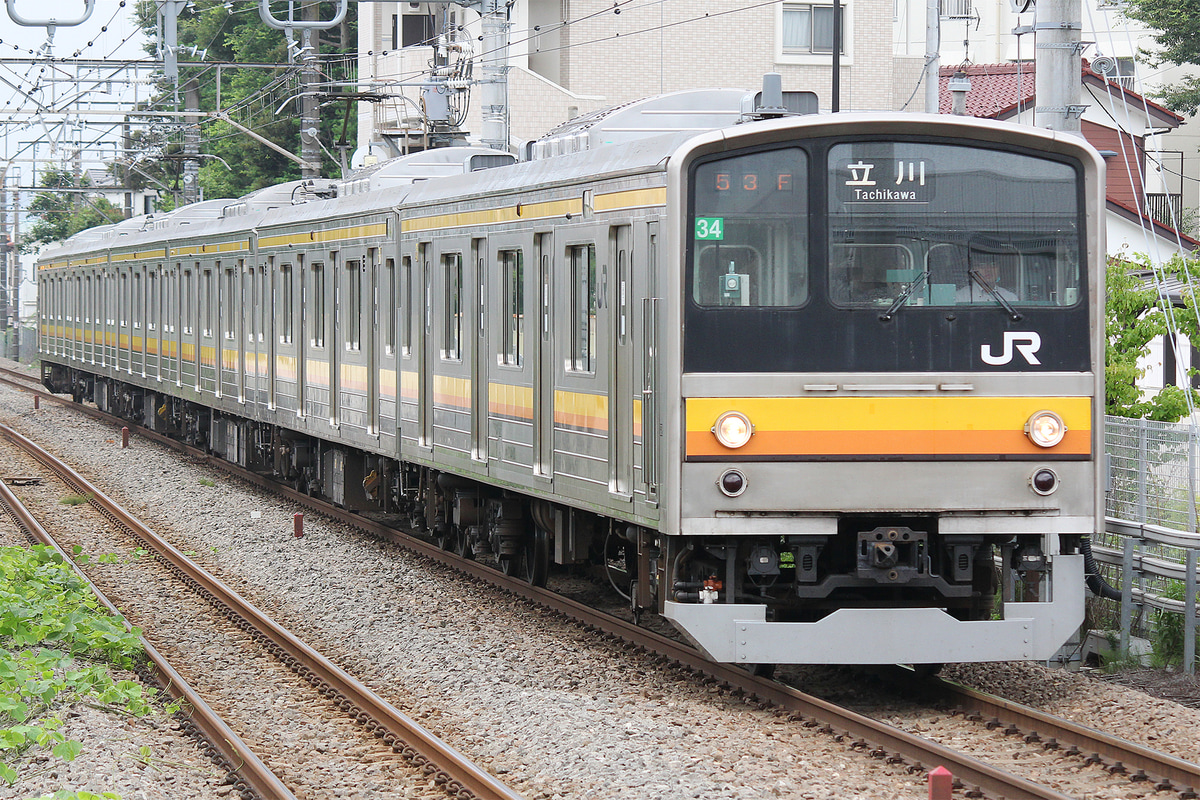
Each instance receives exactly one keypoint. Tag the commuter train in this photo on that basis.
(815, 388)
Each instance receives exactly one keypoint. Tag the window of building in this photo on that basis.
(416, 30)
(808, 29)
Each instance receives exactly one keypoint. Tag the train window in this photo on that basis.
(750, 238)
(138, 297)
(354, 301)
(406, 306)
(285, 300)
(317, 337)
(124, 311)
(389, 305)
(512, 267)
(583, 307)
(188, 301)
(936, 224)
(453, 271)
(152, 295)
(208, 305)
(231, 302)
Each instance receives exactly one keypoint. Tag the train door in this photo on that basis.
(425, 345)
(337, 319)
(649, 355)
(479, 361)
(543, 359)
(371, 336)
(621, 358)
(303, 317)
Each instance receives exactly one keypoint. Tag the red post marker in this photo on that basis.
(124, 438)
(941, 784)
(37, 402)
(298, 525)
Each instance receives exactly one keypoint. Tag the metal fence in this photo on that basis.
(1150, 545)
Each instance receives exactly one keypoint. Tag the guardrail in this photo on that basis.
(1140, 569)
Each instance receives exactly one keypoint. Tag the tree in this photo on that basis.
(238, 35)
(1135, 316)
(1178, 37)
(61, 214)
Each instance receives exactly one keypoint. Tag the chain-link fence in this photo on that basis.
(1152, 480)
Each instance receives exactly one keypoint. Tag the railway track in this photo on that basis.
(882, 741)
(459, 777)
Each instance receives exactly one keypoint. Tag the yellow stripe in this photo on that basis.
(494, 216)
(581, 410)
(331, 235)
(353, 377)
(448, 391)
(634, 198)
(216, 248)
(510, 401)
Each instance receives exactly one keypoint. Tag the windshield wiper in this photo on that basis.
(999, 298)
(904, 295)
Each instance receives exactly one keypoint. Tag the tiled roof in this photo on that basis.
(996, 90)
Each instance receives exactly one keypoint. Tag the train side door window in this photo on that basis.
(452, 269)
(317, 337)
(354, 302)
(231, 303)
(284, 300)
(389, 305)
(138, 307)
(124, 310)
(207, 304)
(188, 302)
(406, 305)
(512, 266)
(152, 294)
(582, 259)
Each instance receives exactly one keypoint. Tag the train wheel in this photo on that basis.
(462, 543)
(535, 557)
(445, 537)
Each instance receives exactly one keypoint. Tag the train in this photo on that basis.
(815, 388)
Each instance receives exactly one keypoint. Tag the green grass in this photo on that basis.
(56, 648)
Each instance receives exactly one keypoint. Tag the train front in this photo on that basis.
(891, 400)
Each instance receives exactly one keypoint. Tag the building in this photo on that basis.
(570, 57)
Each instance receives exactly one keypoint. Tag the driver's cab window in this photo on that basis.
(749, 231)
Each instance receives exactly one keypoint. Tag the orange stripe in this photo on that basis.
(887, 443)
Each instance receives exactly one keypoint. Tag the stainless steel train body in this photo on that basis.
(796, 385)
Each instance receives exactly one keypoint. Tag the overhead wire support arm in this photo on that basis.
(221, 115)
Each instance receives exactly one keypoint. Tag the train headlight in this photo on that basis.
(1045, 429)
(733, 429)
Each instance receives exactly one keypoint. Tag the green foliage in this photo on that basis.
(61, 214)
(1134, 317)
(1177, 23)
(207, 482)
(55, 645)
(1167, 634)
(238, 38)
(76, 499)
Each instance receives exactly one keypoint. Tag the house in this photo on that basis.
(1118, 122)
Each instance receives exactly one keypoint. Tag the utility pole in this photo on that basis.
(933, 61)
(1057, 68)
(494, 21)
(191, 142)
(310, 104)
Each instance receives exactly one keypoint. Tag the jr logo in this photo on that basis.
(1027, 343)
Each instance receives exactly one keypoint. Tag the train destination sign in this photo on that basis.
(885, 180)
